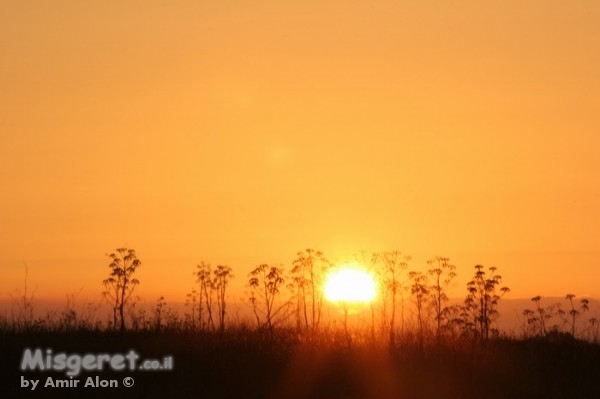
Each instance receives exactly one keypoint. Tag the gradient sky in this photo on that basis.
(242, 132)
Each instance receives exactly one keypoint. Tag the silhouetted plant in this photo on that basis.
(530, 323)
(308, 271)
(265, 282)
(392, 266)
(191, 302)
(222, 275)
(22, 305)
(140, 320)
(442, 273)
(574, 312)
(87, 316)
(370, 261)
(456, 323)
(159, 311)
(540, 318)
(120, 284)
(206, 287)
(67, 319)
(419, 289)
(482, 300)
(543, 316)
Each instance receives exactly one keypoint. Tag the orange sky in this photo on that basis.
(240, 133)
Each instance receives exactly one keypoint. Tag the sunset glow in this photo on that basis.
(316, 198)
(350, 284)
(237, 133)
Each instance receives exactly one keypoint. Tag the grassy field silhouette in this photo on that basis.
(241, 362)
(413, 342)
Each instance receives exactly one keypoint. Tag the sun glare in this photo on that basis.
(350, 284)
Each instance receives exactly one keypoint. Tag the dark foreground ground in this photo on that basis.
(251, 365)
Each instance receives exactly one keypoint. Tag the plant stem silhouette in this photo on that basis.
(222, 275)
(393, 264)
(442, 273)
(483, 299)
(265, 282)
(308, 271)
(205, 294)
(120, 284)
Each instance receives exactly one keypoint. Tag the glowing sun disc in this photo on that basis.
(350, 284)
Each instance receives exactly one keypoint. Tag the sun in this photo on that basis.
(350, 284)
